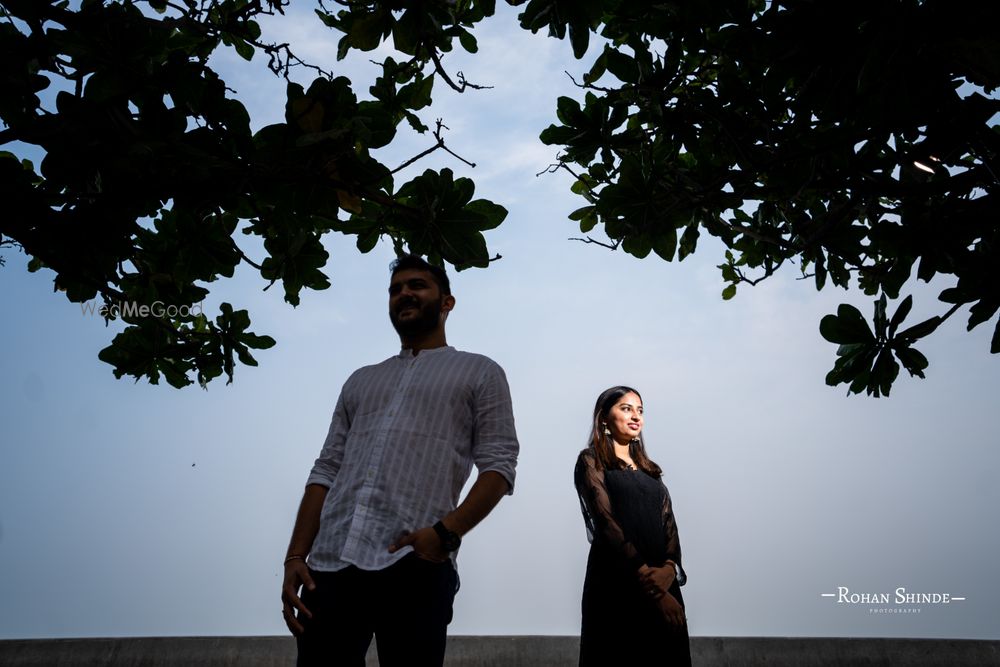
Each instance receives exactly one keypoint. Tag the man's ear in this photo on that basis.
(447, 304)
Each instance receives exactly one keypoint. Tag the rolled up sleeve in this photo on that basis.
(324, 471)
(495, 447)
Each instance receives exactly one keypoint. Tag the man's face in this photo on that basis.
(415, 302)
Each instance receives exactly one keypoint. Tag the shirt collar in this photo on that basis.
(407, 353)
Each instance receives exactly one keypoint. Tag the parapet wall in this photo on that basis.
(500, 651)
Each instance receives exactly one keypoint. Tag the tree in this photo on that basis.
(852, 138)
(150, 166)
(849, 137)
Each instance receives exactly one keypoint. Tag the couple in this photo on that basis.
(373, 549)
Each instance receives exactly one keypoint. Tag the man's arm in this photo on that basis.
(484, 495)
(296, 571)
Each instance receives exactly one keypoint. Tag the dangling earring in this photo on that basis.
(607, 431)
(634, 441)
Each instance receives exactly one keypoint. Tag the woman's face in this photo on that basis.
(624, 419)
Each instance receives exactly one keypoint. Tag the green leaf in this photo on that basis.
(568, 110)
(981, 311)
(884, 373)
(728, 292)
(245, 49)
(637, 245)
(913, 361)
(494, 214)
(622, 66)
(847, 327)
(918, 331)
(901, 312)
(689, 241)
(417, 94)
(468, 41)
(596, 70)
(579, 38)
(367, 31)
(880, 318)
(368, 240)
(665, 243)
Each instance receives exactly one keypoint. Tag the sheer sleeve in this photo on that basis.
(597, 514)
(673, 541)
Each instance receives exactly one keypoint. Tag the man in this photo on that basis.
(377, 533)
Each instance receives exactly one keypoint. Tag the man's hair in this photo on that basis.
(406, 262)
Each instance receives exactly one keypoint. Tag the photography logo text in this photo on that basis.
(898, 601)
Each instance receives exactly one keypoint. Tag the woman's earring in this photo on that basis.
(607, 431)
(634, 441)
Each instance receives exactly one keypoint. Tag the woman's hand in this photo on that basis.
(672, 610)
(657, 580)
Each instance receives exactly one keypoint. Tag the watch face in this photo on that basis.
(450, 541)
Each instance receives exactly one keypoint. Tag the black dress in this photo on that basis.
(630, 522)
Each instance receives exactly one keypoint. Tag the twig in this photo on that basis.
(439, 144)
(551, 169)
(591, 86)
(283, 69)
(439, 68)
(610, 246)
(768, 272)
(247, 259)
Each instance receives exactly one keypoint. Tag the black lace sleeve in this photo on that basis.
(597, 512)
(673, 541)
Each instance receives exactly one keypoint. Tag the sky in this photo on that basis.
(128, 509)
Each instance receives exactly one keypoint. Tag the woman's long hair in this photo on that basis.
(602, 445)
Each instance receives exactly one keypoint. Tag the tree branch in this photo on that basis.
(609, 246)
(439, 144)
(247, 259)
(439, 68)
(590, 86)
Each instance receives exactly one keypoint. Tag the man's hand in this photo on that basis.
(425, 542)
(657, 580)
(672, 610)
(296, 576)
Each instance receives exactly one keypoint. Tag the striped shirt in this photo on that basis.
(402, 442)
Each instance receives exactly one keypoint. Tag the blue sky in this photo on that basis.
(130, 509)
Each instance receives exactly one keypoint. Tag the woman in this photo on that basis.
(633, 612)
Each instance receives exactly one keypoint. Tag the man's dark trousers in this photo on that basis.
(407, 608)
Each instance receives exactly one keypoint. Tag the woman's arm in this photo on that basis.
(673, 541)
(597, 512)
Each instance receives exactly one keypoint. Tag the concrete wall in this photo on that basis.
(499, 651)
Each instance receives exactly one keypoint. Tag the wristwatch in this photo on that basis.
(450, 540)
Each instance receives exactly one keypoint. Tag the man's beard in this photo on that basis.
(425, 322)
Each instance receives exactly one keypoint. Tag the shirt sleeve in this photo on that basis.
(673, 541)
(325, 470)
(597, 512)
(494, 440)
